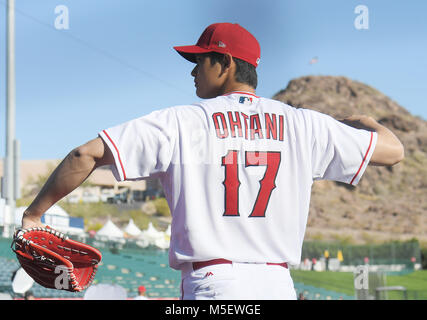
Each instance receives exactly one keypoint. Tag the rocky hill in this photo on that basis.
(390, 203)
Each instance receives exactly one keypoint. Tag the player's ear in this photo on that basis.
(228, 60)
(226, 63)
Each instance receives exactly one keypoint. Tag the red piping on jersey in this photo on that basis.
(118, 154)
(364, 159)
(240, 92)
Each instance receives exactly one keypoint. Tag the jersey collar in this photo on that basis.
(240, 93)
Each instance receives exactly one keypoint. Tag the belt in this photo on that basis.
(202, 264)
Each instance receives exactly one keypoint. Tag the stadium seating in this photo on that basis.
(127, 268)
(315, 293)
(131, 268)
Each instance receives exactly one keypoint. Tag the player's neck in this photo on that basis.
(238, 87)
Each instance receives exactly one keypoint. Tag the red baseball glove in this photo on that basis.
(55, 261)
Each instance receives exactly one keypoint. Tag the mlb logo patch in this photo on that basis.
(245, 99)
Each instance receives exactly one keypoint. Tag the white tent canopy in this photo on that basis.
(110, 231)
(55, 210)
(153, 236)
(151, 233)
(168, 231)
(55, 217)
(132, 229)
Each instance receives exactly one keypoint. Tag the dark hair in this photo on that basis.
(245, 72)
(28, 294)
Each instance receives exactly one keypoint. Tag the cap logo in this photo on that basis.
(257, 60)
(221, 44)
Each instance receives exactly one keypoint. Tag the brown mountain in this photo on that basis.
(389, 203)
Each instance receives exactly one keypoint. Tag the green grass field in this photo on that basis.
(415, 282)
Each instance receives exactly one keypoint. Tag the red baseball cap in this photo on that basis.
(141, 289)
(225, 38)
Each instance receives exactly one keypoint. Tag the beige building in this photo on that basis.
(100, 185)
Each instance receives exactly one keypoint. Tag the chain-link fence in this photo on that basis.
(395, 256)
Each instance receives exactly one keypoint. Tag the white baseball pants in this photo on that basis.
(237, 281)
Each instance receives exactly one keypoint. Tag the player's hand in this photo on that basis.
(29, 221)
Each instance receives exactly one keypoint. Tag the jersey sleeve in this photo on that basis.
(340, 152)
(142, 147)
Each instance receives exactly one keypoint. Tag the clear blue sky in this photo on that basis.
(116, 62)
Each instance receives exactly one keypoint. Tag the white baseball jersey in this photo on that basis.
(237, 172)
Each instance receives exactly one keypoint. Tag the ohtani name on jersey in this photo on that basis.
(255, 126)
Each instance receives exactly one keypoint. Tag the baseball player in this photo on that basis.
(236, 168)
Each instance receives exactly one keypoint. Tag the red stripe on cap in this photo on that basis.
(118, 154)
(364, 158)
